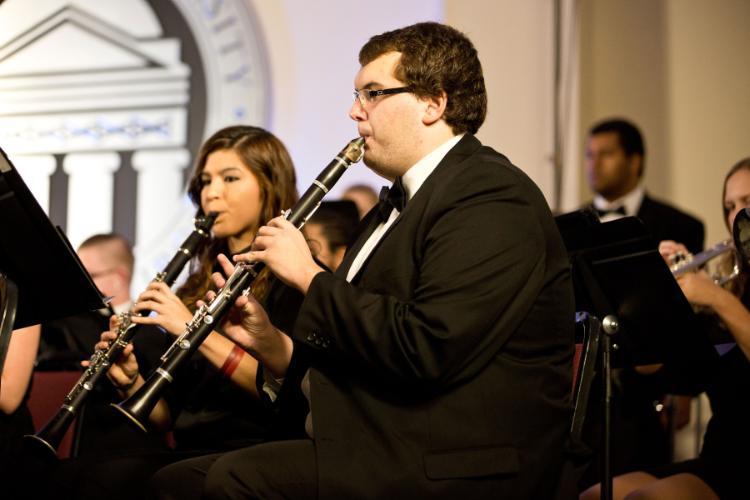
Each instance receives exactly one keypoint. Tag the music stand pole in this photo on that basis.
(7, 315)
(619, 276)
(610, 325)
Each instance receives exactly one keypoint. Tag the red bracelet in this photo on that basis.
(232, 361)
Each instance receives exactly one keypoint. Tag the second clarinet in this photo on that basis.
(50, 436)
(139, 406)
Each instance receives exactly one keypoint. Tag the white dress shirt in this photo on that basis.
(412, 180)
(631, 202)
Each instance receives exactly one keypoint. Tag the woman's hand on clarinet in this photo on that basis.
(283, 248)
(124, 370)
(248, 325)
(171, 313)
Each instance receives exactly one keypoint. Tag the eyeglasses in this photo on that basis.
(368, 95)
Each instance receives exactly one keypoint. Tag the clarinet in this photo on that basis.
(49, 437)
(139, 406)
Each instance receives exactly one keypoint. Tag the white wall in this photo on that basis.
(515, 44)
(709, 101)
(678, 68)
(313, 48)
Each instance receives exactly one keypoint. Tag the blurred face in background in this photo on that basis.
(321, 247)
(111, 277)
(609, 171)
(364, 197)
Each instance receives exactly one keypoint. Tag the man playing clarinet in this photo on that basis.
(437, 359)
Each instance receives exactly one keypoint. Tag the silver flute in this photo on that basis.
(139, 406)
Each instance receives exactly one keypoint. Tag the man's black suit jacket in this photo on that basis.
(665, 222)
(444, 368)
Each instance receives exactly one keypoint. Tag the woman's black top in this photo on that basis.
(212, 413)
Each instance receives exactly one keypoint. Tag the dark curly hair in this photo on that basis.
(436, 58)
(265, 156)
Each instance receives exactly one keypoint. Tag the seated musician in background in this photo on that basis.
(65, 343)
(363, 196)
(108, 258)
(331, 230)
(15, 419)
(437, 359)
(245, 175)
(615, 165)
(720, 470)
(17, 372)
(615, 155)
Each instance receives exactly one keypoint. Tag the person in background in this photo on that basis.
(363, 196)
(61, 345)
(18, 369)
(719, 471)
(615, 164)
(108, 258)
(331, 230)
(15, 419)
(67, 342)
(615, 161)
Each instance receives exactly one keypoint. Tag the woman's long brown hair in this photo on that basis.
(267, 159)
(726, 262)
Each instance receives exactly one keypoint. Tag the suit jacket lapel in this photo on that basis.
(369, 224)
(464, 148)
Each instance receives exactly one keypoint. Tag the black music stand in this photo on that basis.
(620, 278)
(42, 276)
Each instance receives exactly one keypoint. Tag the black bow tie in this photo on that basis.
(395, 197)
(619, 210)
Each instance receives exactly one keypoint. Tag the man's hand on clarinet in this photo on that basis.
(248, 325)
(283, 248)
